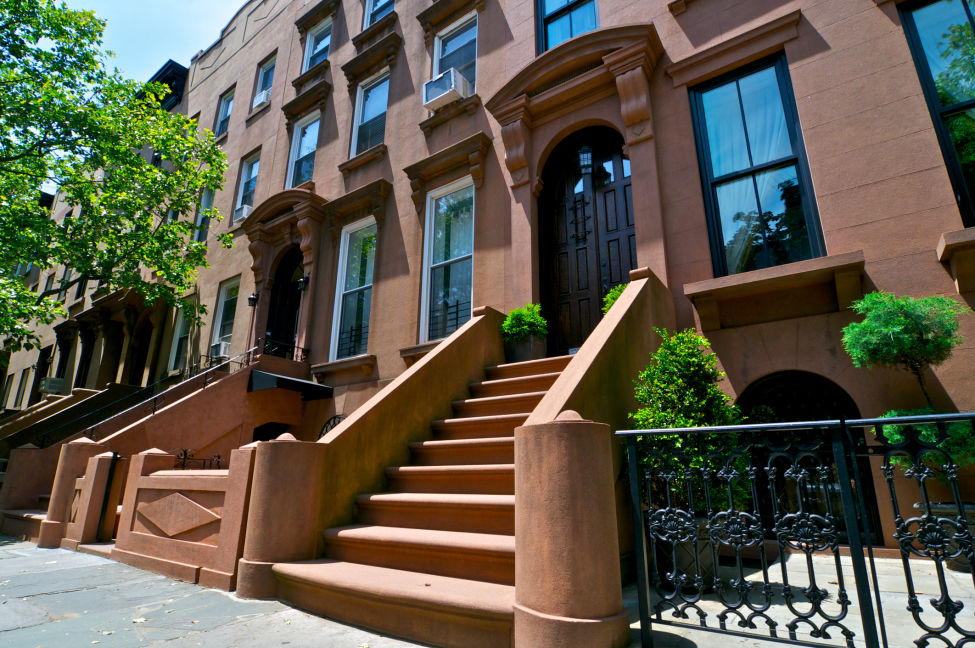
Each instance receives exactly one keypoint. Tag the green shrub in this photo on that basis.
(524, 322)
(679, 388)
(957, 441)
(610, 298)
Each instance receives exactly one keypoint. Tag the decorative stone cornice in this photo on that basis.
(312, 98)
(374, 153)
(377, 56)
(376, 29)
(316, 14)
(368, 200)
(463, 158)
(319, 69)
(468, 106)
(443, 12)
(736, 51)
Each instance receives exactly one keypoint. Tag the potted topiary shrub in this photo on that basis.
(679, 388)
(915, 334)
(524, 331)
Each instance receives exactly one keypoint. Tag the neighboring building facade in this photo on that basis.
(768, 161)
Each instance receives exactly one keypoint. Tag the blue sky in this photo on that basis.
(144, 34)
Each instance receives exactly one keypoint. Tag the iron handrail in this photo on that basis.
(156, 397)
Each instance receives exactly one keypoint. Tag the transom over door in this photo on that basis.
(586, 233)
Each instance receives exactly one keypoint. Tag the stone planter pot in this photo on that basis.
(531, 348)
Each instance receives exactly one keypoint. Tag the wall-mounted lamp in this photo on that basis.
(303, 283)
(252, 300)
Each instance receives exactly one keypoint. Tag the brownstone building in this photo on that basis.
(396, 165)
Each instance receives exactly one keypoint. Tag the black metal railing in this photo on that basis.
(284, 350)
(196, 376)
(184, 460)
(739, 530)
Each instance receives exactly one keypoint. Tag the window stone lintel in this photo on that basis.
(315, 15)
(957, 251)
(375, 57)
(463, 158)
(444, 12)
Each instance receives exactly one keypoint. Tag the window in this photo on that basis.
(370, 121)
(7, 385)
(357, 257)
(248, 182)
(21, 387)
(317, 43)
(560, 20)
(202, 224)
(940, 35)
(63, 285)
(376, 9)
(265, 77)
(756, 185)
(448, 258)
(457, 48)
(304, 143)
(223, 322)
(223, 113)
(49, 283)
(181, 338)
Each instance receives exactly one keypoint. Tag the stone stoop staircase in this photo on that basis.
(433, 558)
(25, 524)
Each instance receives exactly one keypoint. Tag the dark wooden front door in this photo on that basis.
(586, 233)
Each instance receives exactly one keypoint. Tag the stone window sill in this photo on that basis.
(466, 106)
(361, 39)
(221, 138)
(957, 251)
(377, 152)
(811, 287)
(363, 365)
(318, 69)
(257, 112)
(411, 354)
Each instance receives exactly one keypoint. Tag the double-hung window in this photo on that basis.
(560, 20)
(376, 9)
(756, 185)
(202, 225)
(248, 183)
(265, 77)
(316, 46)
(357, 257)
(223, 113)
(304, 143)
(223, 323)
(456, 48)
(22, 387)
(448, 260)
(370, 114)
(181, 338)
(941, 35)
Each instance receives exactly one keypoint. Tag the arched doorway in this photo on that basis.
(585, 232)
(282, 318)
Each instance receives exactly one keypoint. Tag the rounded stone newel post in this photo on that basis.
(567, 577)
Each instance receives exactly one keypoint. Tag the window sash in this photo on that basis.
(223, 115)
(248, 182)
(353, 304)
(318, 44)
(569, 9)
(202, 220)
(464, 58)
(448, 282)
(305, 139)
(378, 9)
(370, 130)
(226, 313)
(181, 335)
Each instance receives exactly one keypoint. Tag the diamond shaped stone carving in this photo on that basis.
(176, 514)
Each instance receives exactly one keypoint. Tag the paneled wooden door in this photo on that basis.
(586, 233)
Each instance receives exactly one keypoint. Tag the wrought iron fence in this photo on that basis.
(768, 531)
(186, 461)
(285, 350)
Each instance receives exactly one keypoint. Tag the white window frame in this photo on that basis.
(374, 80)
(222, 296)
(199, 215)
(432, 196)
(449, 31)
(225, 98)
(295, 138)
(347, 232)
(370, 7)
(246, 164)
(181, 324)
(310, 38)
(261, 72)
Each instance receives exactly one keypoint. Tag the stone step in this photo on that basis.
(443, 511)
(435, 610)
(477, 556)
(478, 427)
(23, 524)
(482, 478)
(528, 368)
(510, 386)
(494, 405)
(492, 450)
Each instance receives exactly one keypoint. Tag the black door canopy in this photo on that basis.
(308, 389)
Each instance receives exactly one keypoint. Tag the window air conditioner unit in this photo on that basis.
(220, 350)
(241, 213)
(262, 98)
(449, 86)
(52, 385)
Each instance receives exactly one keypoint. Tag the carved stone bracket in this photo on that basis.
(463, 158)
(632, 66)
(374, 58)
(442, 13)
(363, 39)
(368, 200)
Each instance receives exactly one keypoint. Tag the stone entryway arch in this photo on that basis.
(602, 77)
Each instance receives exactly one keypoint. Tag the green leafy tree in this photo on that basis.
(66, 119)
(903, 333)
(612, 295)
